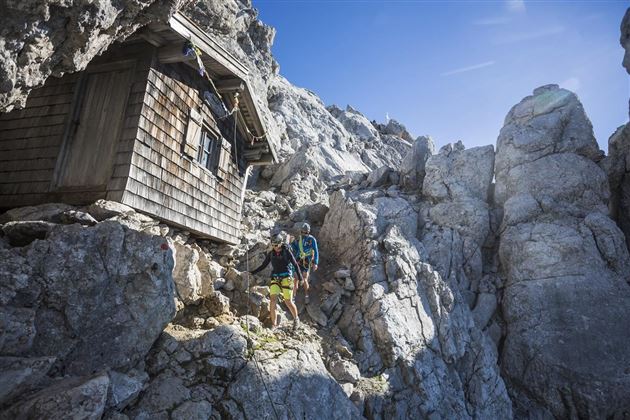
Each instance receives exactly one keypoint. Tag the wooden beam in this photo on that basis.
(229, 85)
(264, 160)
(151, 37)
(173, 54)
(158, 27)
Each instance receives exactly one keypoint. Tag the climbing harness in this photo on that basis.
(304, 257)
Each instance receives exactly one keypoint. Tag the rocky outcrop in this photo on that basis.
(354, 122)
(625, 40)
(457, 230)
(75, 301)
(325, 143)
(412, 168)
(617, 163)
(404, 322)
(617, 167)
(81, 286)
(43, 38)
(199, 373)
(565, 263)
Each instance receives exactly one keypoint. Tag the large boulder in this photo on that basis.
(404, 322)
(192, 273)
(49, 212)
(566, 298)
(92, 297)
(43, 38)
(412, 168)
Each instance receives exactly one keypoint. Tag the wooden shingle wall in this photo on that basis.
(32, 139)
(162, 180)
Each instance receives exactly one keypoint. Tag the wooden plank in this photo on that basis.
(22, 199)
(117, 184)
(114, 195)
(25, 133)
(26, 176)
(52, 90)
(35, 121)
(173, 54)
(229, 85)
(65, 98)
(26, 165)
(33, 187)
(29, 143)
(92, 149)
(30, 112)
(121, 171)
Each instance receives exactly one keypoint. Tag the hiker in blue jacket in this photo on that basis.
(307, 255)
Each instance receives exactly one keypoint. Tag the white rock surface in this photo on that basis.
(565, 262)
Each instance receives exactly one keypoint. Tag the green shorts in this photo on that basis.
(281, 285)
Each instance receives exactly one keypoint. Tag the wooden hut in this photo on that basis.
(142, 125)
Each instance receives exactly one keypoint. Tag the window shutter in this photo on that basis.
(193, 133)
(224, 159)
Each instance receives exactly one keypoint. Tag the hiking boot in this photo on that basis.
(296, 324)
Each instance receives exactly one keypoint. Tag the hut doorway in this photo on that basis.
(90, 141)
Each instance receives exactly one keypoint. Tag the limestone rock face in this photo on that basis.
(92, 297)
(395, 128)
(412, 169)
(457, 216)
(323, 144)
(404, 322)
(566, 264)
(355, 122)
(617, 168)
(43, 38)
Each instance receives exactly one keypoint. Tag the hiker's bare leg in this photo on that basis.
(295, 284)
(272, 310)
(292, 308)
(306, 276)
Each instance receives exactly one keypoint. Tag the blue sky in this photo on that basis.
(453, 69)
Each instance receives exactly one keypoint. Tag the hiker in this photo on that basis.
(305, 247)
(282, 261)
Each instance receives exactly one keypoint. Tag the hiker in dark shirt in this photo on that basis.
(283, 264)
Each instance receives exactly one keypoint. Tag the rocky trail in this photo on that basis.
(489, 283)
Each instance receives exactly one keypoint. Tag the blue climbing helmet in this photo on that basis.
(305, 229)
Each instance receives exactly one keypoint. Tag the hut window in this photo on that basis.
(209, 150)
